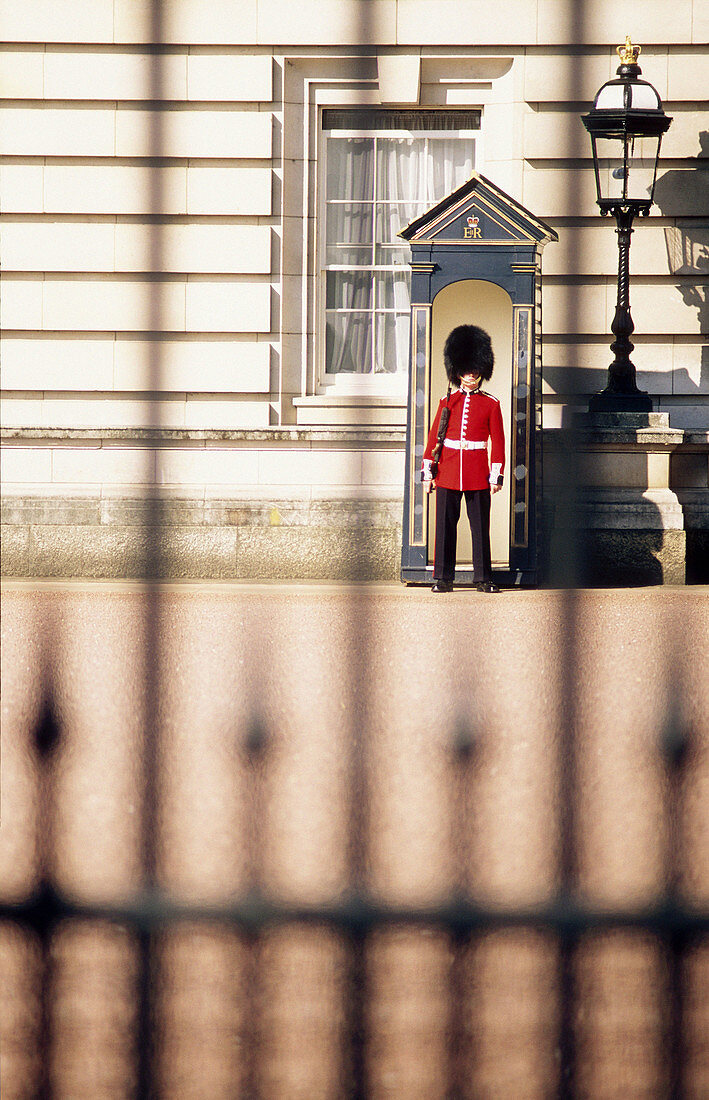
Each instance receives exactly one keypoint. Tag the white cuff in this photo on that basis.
(426, 474)
(495, 473)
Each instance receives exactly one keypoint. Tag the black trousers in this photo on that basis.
(477, 503)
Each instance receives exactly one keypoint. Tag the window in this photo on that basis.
(382, 169)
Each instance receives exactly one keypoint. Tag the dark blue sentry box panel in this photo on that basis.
(478, 232)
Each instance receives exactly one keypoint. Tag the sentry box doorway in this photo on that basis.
(476, 259)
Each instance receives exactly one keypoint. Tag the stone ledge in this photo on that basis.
(591, 421)
(589, 437)
(551, 437)
(202, 513)
(161, 436)
(622, 514)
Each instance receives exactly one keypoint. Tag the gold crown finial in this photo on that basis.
(628, 53)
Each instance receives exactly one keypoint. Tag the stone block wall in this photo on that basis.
(279, 504)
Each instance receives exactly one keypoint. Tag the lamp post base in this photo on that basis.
(607, 401)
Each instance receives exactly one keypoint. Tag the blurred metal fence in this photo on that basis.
(567, 927)
(140, 968)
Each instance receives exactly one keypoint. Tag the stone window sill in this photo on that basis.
(358, 411)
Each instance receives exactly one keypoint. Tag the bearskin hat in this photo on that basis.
(468, 349)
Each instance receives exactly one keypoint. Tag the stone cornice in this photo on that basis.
(672, 437)
(170, 436)
(588, 438)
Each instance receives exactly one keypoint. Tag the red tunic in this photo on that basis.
(474, 417)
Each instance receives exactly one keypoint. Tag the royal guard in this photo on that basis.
(455, 461)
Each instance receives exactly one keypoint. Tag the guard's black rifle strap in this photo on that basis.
(442, 429)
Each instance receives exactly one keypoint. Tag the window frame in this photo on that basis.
(381, 384)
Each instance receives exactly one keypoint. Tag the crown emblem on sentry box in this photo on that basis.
(472, 222)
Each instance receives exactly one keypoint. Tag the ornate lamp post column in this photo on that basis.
(626, 125)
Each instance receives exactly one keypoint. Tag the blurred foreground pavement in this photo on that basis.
(362, 695)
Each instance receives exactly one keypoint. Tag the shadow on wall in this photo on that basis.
(635, 550)
(629, 558)
(682, 195)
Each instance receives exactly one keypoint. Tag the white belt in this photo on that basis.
(465, 444)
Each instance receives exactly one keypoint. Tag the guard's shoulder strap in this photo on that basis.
(445, 414)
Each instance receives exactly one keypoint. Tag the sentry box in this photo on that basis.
(476, 259)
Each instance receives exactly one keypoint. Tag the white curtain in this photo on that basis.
(375, 188)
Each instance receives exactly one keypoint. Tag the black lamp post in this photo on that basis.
(626, 124)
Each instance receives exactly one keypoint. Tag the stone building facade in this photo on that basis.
(204, 300)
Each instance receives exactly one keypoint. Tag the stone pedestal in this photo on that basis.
(626, 501)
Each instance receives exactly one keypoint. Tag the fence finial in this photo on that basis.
(47, 731)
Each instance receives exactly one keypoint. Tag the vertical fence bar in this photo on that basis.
(675, 747)
(147, 1031)
(568, 855)
(256, 744)
(356, 1016)
(676, 1044)
(359, 670)
(47, 735)
(357, 844)
(463, 750)
(568, 568)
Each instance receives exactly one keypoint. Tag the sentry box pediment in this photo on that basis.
(478, 213)
(476, 259)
